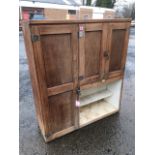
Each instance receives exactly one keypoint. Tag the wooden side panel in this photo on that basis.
(36, 78)
(39, 61)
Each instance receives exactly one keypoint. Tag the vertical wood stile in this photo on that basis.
(82, 53)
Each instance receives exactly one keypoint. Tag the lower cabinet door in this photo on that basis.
(62, 114)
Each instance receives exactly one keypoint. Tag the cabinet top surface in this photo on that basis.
(34, 22)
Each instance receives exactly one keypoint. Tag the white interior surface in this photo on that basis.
(91, 91)
(115, 87)
(97, 103)
(94, 97)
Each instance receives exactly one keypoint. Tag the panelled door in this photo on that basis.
(92, 44)
(57, 46)
(115, 54)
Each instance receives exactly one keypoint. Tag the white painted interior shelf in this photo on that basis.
(85, 100)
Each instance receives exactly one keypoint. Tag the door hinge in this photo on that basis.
(35, 38)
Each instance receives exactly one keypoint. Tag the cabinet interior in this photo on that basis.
(99, 102)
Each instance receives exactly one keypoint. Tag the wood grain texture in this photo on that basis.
(54, 29)
(93, 27)
(60, 89)
(116, 20)
(117, 48)
(58, 59)
(61, 67)
(103, 49)
(82, 53)
(61, 111)
(36, 85)
(59, 134)
(90, 79)
(89, 53)
(100, 82)
(118, 37)
(92, 53)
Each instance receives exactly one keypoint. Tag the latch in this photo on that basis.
(78, 91)
(81, 32)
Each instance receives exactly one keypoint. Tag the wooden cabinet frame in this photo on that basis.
(65, 57)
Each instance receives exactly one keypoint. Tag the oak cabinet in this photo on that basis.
(76, 70)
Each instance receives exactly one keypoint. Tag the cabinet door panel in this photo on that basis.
(117, 49)
(117, 45)
(58, 59)
(91, 46)
(92, 53)
(61, 111)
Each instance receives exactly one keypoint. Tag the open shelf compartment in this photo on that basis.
(96, 111)
(94, 97)
(99, 102)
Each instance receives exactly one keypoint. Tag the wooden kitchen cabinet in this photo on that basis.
(76, 69)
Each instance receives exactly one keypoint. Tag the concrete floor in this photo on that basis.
(111, 136)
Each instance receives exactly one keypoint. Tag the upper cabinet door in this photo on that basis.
(92, 39)
(58, 45)
(116, 52)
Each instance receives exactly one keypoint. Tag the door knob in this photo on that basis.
(106, 55)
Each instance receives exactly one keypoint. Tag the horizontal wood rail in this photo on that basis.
(60, 89)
